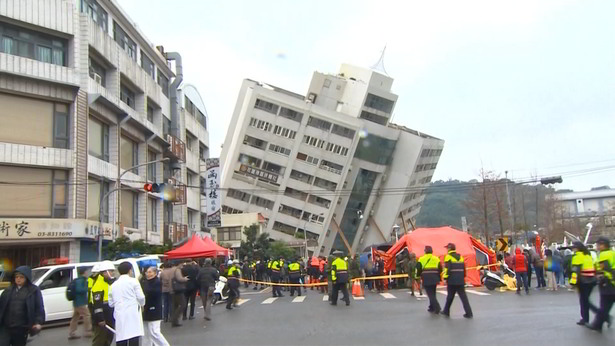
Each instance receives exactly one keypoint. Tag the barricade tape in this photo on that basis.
(381, 277)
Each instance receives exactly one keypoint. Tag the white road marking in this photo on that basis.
(478, 293)
(418, 295)
(325, 297)
(388, 295)
(299, 299)
(242, 301)
(269, 300)
(442, 292)
(358, 298)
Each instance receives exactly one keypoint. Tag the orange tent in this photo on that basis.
(197, 247)
(438, 238)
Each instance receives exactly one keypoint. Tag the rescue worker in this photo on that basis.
(413, 276)
(339, 278)
(454, 273)
(259, 269)
(275, 277)
(322, 275)
(233, 275)
(328, 264)
(102, 313)
(606, 283)
(246, 271)
(294, 274)
(430, 269)
(584, 278)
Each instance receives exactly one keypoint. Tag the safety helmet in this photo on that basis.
(236, 262)
(106, 266)
(95, 268)
(229, 262)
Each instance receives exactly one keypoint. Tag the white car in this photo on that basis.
(53, 281)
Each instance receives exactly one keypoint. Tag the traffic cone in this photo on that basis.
(357, 289)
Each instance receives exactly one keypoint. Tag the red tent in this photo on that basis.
(197, 247)
(438, 238)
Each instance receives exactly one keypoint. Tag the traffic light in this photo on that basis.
(167, 191)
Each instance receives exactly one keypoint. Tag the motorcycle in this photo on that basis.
(221, 291)
(492, 280)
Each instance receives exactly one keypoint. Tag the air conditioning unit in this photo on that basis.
(97, 78)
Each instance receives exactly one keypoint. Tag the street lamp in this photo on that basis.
(395, 229)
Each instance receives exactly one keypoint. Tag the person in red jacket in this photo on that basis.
(521, 266)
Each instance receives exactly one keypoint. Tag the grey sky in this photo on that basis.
(524, 86)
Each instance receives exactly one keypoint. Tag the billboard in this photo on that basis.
(212, 186)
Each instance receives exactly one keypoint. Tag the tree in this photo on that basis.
(123, 245)
(280, 249)
(255, 245)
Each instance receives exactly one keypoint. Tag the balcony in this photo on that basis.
(319, 201)
(34, 155)
(296, 194)
(294, 212)
(177, 148)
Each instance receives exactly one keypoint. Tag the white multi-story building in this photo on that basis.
(328, 165)
(84, 98)
(574, 210)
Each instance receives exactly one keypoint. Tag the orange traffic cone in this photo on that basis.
(357, 289)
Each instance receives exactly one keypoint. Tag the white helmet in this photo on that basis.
(230, 262)
(106, 266)
(236, 262)
(95, 268)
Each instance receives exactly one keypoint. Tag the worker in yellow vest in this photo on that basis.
(294, 274)
(454, 273)
(339, 278)
(606, 283)
(584, 278)
(275, 277)
(233, 275)
(102, 314)
(429, 269)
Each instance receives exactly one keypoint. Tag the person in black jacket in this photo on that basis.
(152, 311)
(21, 309)
(208, 275)
(190, 270)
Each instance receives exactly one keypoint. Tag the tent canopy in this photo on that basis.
(438, 238)
(197, 247)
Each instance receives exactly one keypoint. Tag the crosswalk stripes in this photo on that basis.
(299, 299)
(469, 291)
(325, 297)
(388, 295)
(269, 300)
(242, 301)
(358, 298)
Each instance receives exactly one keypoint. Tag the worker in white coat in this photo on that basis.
(127, 298)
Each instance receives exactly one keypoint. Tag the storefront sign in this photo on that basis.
(212, 186)
(52, 229)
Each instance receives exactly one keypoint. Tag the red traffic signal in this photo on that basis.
(166, 190)
(149, 187)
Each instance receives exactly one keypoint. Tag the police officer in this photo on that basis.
(294, 274)
(430, 269)
(606, 283)
(584, 278)
(102, 313)
(275, 277)
(454, 273)
(339, 278)
(232, 276)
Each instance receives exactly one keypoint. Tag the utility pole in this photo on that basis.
(497, 204)
(537, 224)
(510, 212)
(486, 220)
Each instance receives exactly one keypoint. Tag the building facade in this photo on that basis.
(574, 210)
(86, 98)
(230, 233)
(329, 166)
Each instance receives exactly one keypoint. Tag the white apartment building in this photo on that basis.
(574, 210)
(329, 165)
(85, 97)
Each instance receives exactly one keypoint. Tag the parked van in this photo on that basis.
(53, 281)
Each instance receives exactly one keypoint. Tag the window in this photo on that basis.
(33, 45)
(343, 131)
(203, 152)
(323, 202)
(152, 211)
(325, 184)
(379, 103)
(249, 160)
(98, 139)
(375, 149)
(284, 228)
(228, 210)
(239, 195)
(262, 202)
(163, 81)
(229, 233)
(319, 123)
(37, 192)
(127, 96)
(284, 132)
(331, 167)
(375, 118)
(254, 142)
(151, 168)
(97, 72)
(273, 168)
(309, 159)
(150, 112)
(266, 106)
(190, 141)
(130, 209)
(34, 122)
(58, 279)
(166, 125)
(278, 149)
(291, 114)
(94, 11)
(261, 124)
(300, 176)
(129, 155)
(190, 178)
(96, 191)
(148, 65)
(314, 142)
(327, 83)
(125, 42)
(337, 149)
(300, 195)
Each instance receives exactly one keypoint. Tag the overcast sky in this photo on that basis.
(523, 86)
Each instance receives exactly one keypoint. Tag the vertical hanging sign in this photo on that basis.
(214, 214)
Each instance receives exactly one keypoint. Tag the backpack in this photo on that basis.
(70, 290)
